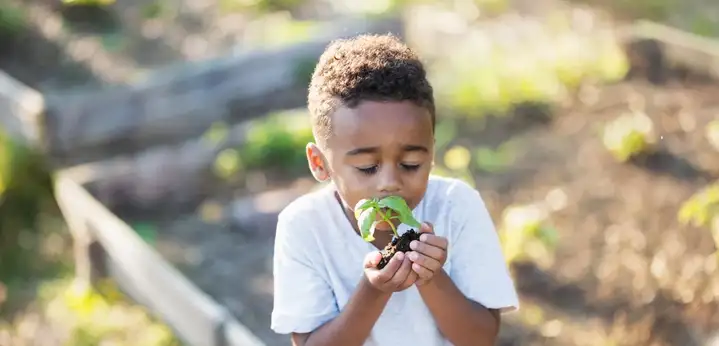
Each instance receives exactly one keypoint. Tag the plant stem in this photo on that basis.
(389, 221)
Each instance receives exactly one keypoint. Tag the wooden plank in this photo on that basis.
(142, 272)
(185, 100)
(677, 48)
(236, 334)
(21, 109)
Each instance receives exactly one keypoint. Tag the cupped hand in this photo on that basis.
(396, 276)
(428, 254)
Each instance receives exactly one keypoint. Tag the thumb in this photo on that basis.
(426, 227)
(372, 259)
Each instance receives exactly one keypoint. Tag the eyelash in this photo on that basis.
(373, 169)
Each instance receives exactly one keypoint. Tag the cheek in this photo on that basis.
(352, 185)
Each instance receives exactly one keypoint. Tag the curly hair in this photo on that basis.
(365, 68)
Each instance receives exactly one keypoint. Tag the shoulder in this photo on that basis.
(306, 207)
(302, 216)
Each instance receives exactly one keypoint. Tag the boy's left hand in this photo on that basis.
(428, 255)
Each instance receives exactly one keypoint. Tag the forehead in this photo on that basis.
(377, 124)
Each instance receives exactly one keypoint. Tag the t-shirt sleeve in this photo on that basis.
(478, 267)
(303, 300)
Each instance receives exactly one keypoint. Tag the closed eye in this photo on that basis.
(410, 167)
(368, 170)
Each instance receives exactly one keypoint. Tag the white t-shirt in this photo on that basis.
(318, 263)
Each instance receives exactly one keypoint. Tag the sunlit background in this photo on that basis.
(596, 153)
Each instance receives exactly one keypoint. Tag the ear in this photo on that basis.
(317, 163)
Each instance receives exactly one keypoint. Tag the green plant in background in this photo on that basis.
(629, 135)
(456, 163)
(496, 160)
(25, 198)
(712, 134)
(95, 316)
(88, 2)
(525, 233)
(541, 68)
(155, 9)
(277, 142)
(701, 208)
(259, 6)
(285, 30)
(12, 21)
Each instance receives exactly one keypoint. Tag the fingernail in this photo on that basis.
(399, 256)
(423, 237)
(412, 256)
(413, 245)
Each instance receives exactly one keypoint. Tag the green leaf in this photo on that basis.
(366, 223)
(362, 205)
(398, 205)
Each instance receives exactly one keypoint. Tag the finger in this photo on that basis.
(428, 250)
(426, 227)
(422, 272)
(387, 273)
(404, 270)
(372, 259)
(411, 279)
(434, 240)
(424, 261)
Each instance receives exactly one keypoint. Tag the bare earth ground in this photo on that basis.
(625, 271)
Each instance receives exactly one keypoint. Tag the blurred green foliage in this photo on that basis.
(12, 20)
(493, 77)
(261, 6)
(88, 2)
(526, 233)
(25, 197)
(702, 208)
(277, 142)
(629, 135)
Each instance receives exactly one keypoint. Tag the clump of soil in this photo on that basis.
(400, 244)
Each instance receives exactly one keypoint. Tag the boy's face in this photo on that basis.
(377, 149)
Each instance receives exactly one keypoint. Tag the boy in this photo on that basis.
(373, 117)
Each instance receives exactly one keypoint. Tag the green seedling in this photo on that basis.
(629, 136)
(372, 212)
(526, 233)
(701, 208)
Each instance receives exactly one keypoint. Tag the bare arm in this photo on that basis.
(461, 320)
(355, 322)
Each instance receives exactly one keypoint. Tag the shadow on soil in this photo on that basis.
(668, 325)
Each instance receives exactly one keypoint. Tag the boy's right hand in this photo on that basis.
(396, 276)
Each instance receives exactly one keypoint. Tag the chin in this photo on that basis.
(384, 227)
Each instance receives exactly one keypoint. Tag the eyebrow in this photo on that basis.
(373, 150)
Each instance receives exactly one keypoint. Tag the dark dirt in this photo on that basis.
(625, 270)
(400, 244)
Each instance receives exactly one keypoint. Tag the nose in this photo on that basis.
(389, 181)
